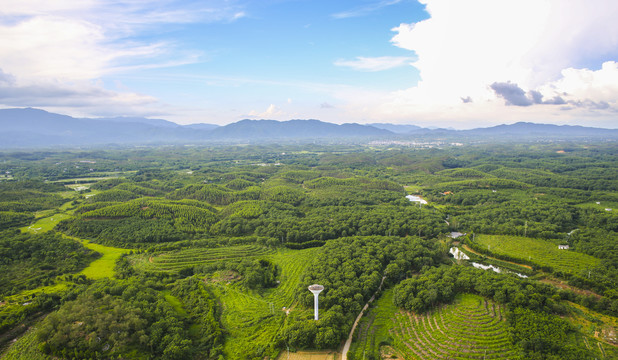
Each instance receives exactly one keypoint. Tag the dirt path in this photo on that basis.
(563, 285)
(467, 248)
(346, 347)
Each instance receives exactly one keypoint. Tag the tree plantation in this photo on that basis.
(207, 252)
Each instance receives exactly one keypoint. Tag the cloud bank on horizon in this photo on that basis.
(460, 63)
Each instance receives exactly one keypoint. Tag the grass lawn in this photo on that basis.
(541, 252)
(45, 224)
(104, 266)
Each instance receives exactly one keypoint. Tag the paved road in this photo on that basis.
(346, 347)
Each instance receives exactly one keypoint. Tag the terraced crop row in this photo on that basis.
(292, 263)
(472, 328)
(252, 320)
(184, 258)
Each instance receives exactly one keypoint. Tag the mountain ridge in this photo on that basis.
(30, 127)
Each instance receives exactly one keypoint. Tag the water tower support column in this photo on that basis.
(316, 290)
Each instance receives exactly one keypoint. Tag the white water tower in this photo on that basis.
(316, 290)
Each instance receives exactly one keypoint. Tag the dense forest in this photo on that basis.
(207, 252)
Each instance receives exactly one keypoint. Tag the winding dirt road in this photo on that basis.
(346, 347)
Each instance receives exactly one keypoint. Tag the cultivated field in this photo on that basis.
(253, 319)
(470, 328)
(374, 328)
(541, 252)
(177, 260)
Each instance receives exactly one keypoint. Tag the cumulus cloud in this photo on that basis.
(53, 52)
(475, 56)
(362, 63)
(270, 113)
(94, 37)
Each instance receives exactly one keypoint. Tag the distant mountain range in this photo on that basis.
(297, 129)
(27, 128)
(396, 128)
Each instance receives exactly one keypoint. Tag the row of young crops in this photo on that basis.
(471, 328)
(177, 260)
(253, 319)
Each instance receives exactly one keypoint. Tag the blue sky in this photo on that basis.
(460, 63)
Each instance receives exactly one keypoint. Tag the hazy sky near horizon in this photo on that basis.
(458, 63)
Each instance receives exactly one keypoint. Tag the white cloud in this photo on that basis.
(53, 52)
(77, 40)
(543, 46)
(79, 98)
(362, 63)
(271, 112)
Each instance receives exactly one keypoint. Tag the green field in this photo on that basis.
(104, 266)
(470, 328)
(45, 224)
(541, 252)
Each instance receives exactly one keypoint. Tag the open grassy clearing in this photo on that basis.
(253, 319)
(541, 252)
(45, 224)
(104, 266)
(470, 328)
(48, 219)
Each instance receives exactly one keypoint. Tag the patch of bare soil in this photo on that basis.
(225, 277)
(563, 285)
(387, 352)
